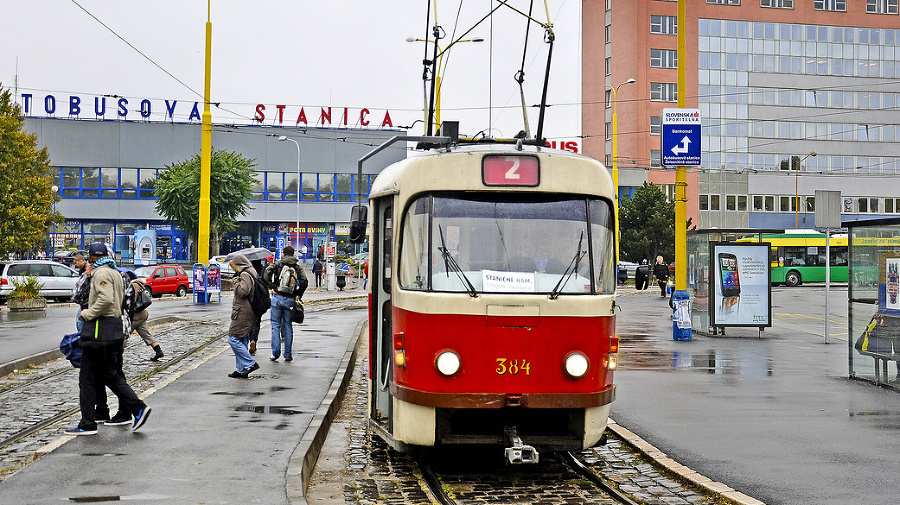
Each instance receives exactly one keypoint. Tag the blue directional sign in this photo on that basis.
(680, 137)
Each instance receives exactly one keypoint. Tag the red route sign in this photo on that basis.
(510, 171)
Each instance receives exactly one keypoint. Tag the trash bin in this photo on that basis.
(341, 279)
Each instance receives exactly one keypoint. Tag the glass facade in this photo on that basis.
(772, 93)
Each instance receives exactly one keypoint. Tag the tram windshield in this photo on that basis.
(507, 243)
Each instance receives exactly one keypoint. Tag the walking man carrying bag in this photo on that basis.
(287, 282)
(102, 337)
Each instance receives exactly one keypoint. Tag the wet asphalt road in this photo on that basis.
(772, 415)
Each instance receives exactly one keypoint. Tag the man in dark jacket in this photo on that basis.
(242, 317)
(286, 281)
(102, 338)
(661, 272)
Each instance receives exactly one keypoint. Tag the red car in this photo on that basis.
(162, 279)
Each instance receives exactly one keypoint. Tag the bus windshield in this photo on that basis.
(507, 243)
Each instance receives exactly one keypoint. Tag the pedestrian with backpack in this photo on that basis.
(243, 316)
(142, 300)
(287, 282)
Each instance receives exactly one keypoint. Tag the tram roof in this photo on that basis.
(459, 168)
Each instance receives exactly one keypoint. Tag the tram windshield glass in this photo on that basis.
(508, 243)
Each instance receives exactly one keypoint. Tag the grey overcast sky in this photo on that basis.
(310, 54)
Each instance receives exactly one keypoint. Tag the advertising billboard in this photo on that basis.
(740, 288)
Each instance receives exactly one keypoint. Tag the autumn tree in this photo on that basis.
(26, 204)
(178, 194)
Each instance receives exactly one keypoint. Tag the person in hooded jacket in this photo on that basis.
(243, 320)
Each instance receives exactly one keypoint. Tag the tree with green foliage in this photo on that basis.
(647, 226)
(26, 194)
(178, 194)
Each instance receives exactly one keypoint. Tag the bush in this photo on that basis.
(27, 287)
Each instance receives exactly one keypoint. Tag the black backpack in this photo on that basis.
(259, 298)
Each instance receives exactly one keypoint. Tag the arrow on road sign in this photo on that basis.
(681, 148)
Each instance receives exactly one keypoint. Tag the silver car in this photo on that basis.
(58, 279)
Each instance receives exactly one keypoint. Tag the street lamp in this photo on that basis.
(437, 76)
(615, 158)
(299, 185)
(797, 189)
(55, 190)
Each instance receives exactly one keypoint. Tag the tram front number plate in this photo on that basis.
(510, 171)
(512, 366)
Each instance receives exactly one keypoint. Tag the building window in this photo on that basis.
(830, 5)
(881, 6)
(713, 202)
(742, 203)
(663, 92)
(607, 66)
(757, 203)
(608, 98)
(667, 25)
(785, 203)
(655, 159)
(655, 125)
(274, 186)
(704, 202)
(664, 58)
(608, 131)
(730, 202)
(779, 4)
(724, 2)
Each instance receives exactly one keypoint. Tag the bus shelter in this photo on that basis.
(728, 277)
(874, 300)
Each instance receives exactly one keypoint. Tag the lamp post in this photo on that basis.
(55, 190)
(797, 189)
(615, 158)
(299, 185)
(437, 76)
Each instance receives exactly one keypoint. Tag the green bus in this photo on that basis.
(798, 256)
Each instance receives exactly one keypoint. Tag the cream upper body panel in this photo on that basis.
(460, 170)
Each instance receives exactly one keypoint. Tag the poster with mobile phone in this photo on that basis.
(740, 289)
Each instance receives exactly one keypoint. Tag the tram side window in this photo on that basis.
(414, 259)
(602, 247)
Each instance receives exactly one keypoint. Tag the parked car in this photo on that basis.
(629, 267)
(58, 279)
(163, 279)
(224, 267)
(68, 257)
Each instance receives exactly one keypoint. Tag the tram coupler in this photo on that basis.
(518, 453)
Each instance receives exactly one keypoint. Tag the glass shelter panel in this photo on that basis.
(874, 301)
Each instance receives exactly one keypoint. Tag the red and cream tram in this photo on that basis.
(491, 295)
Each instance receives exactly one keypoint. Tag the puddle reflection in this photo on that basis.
(713, 361)
(263, 409)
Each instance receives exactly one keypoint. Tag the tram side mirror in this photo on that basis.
(358, 221)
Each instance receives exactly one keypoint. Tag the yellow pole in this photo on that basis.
(205, 153)
(681, 295)
(615, 172)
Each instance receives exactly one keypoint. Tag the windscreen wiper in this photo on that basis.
(450, 263)
(571, 269)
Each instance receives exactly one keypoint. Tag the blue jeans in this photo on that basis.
(242, 358)
(280, 317)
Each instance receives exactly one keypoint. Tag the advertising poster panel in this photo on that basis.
(213, 279)
(740, 286)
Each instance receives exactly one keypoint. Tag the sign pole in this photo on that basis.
(827, 278)
(681, 330)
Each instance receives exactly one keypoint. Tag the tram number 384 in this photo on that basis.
(512, 367)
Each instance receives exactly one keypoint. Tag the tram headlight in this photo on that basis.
(447, 362)
(576, 365)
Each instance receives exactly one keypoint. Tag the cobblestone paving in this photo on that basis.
(31, 396)
(377, 475)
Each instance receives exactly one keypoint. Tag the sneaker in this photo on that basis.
(140, 418)
(101, 418)
(120, 419)
(252, 347)
(274, 358)
(254, 367)
(78, 430)
(238, 375)
(289, 358)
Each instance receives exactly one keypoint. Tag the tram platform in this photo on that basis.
(771, 414)
(211, 438)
